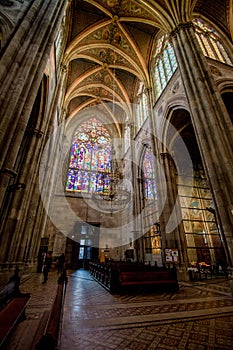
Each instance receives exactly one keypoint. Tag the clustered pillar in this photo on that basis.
(212, 125)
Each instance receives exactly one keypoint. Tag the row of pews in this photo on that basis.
(122, 276)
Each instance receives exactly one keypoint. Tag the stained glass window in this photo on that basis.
(142, 105)
(90, 158)
(210, 42)
(149, 175)
(165, 64)
(152, 241)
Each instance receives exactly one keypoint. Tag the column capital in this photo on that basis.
(164, 155)
(36, 132)
(139, 180)
(148, 89)
(63, 67)
(129, 124)
(179, 27)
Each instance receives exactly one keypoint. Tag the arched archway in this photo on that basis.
(202, 232)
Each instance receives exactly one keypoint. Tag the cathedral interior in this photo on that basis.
(116, 137)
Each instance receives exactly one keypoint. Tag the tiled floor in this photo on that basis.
(198, 316)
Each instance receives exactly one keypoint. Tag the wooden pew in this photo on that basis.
(161, 278)
(117, 276)
(49, 339)
(12, 306)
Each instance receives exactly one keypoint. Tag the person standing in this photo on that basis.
(46, 267)
(61, 261)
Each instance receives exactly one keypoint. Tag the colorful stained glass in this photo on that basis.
(210, 42)
(209, 49)
(149, 175)
(90, 158)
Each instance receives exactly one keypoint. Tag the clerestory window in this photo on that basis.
(165, 64)
(210, 42)
(142, 105)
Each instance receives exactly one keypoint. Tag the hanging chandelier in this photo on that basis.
(113, 195)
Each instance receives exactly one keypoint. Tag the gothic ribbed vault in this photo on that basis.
(111, 45)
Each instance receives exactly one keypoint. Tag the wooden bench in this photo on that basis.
(116, 276)
(49, 339)
(148, 278)
(12, 306)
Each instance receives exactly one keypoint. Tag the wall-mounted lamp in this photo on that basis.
(8, 172)
(16, 187)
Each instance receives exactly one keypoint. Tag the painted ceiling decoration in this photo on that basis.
(112, 45)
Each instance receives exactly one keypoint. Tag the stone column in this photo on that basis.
(155, 148)
(136, 195)
(15, 236)
(22, 67)
(212, 125)
(173, 237)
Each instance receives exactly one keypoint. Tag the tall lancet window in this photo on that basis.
(210, 42)
(152, 241)
(165, 64)
(149, 175)
(142, 105)
(90, 158)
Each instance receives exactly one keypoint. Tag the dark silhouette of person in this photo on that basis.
(46, 267)
(61, 261)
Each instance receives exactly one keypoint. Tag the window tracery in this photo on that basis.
(149, 175)
(210, 42)
(90, 158)
(165, 64)
(142, 108)
(152, 235)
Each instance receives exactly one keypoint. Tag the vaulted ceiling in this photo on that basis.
(111, 42)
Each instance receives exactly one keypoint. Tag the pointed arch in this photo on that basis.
(90, 158)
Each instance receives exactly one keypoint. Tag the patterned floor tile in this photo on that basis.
(198, 316)
(211, 328)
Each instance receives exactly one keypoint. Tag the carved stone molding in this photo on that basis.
(148, 90)
(175, 87)
(38, 133)
(63, 68)
(180, 27)
(165, 155)
(35, 132)
(215, 71)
